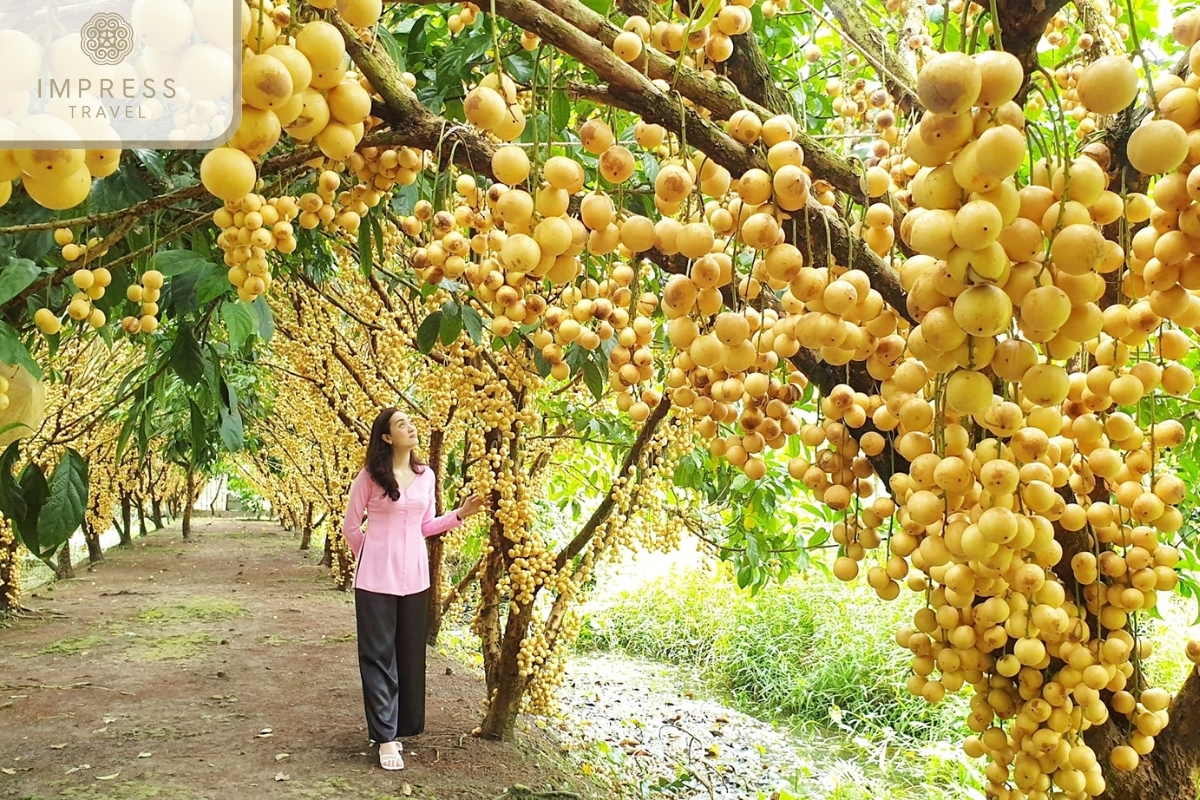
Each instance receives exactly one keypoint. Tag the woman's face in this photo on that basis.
(402, 432)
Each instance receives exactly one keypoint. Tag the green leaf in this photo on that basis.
(239, 322)
(473, 323)
(231, 430)
(265, 319)
(393, 47)
(428, 332)
(593, 378)
(33, 490)
(12, 503)
(199, 430)
(66, 502)
(15, 276)
(451, 327)
(12, 351)
(366, 256)
(177, 262)
(187, 359)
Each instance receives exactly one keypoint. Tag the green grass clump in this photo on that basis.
(201, 609)
(812, 651)
(68, 647)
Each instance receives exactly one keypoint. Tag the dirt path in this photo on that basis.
(224, 668)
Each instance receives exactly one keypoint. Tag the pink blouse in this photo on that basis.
(396, 561)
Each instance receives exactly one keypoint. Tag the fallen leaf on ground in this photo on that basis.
(145, 755)
(279, 776)
(108, 777)
(11, 771)
(58, 746)
(282, 756)
(406, 790)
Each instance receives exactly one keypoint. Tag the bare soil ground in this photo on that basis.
(226, 667)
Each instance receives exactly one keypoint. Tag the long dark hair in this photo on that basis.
(379, 455)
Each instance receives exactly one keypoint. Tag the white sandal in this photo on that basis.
(391, 761)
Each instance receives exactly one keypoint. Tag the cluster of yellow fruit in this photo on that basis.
(145, 293)
(296, 85)
(493, 106)
(704, 39)
(55, 178)
(251, 228)
(71, 252)
(1005, 446)
(465, 17)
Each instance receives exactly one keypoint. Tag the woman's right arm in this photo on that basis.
(360, 491)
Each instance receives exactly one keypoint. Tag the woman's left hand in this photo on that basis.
(472, 505)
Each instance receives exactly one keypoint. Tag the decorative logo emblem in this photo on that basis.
(107, 39)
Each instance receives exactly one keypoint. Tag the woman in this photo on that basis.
(391, 585)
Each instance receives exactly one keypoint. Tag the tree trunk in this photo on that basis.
(141, 509)
(187, 506)
(10, 575)
(65, 568)
(126, 520)
(506, 686)
(327, 556)
(306, 533)
(1169, 771)
(434, 546)
(156, 513)
(92, 537)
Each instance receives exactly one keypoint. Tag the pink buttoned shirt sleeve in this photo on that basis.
(391, 555)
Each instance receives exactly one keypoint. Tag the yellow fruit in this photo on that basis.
(61, 191)
(6, 189)
(313, 116)
(969, 392)
(1001, 76)
(484, 107)
(47, 321)
(349, 103)
(627, 46)
(1108, 85)
(102, 163)
(617, 164)
(257, 133)
(322, 45)
(152, 279)
(1157, 147)
(297, 65)
(949, 83)
(360, 13)
(1001, 151)
(510, 165)
(983, 310)
(337, 141)
(228, 174)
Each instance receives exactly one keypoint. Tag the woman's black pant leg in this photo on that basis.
(391, 660)
(410, 663)
(376, 617)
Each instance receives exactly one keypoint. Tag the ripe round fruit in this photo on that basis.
(257, 133)
(47, 321)
(349, 103)
(1001, 151)
(627, 46)
(1157, 147)
(60, 192)
(484, 107)
(297, 65)
(360, 13)
(1001, 76)
(983, 310)
(510, 165)
(949, 83)
(969, 392)
(563, 173)
(228, 174)
(617, 164)
(322, 45)
(1108, 85)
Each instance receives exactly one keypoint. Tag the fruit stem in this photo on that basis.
(996, 26)
(1137, 48)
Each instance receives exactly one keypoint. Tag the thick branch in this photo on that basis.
(874, 46)
(576, 545)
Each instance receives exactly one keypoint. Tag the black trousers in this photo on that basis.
(391, 658)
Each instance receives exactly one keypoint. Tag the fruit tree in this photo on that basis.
(933, 263)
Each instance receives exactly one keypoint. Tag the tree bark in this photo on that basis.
(126, 520)
(65, 568)
(92, 537)
(327, 556)
(187, 507)
(306, 533)
(434, 545)
(155, 514)
(10, 574)
(1169, 772)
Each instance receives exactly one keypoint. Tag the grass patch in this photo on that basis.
(143, 788)
(201, 609)
(163, 648)
(69, 647)
(809, 652)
